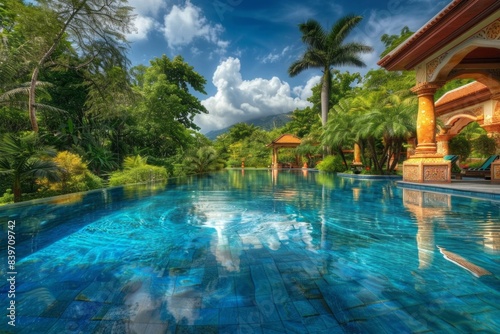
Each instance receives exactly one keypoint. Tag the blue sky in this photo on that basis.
(244, 47)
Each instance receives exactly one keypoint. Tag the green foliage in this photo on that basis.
(26, 160)
(134, 162)
(308, 149)
(379, 118)
(179, 170)
(165, 112)
(12, 120)
(303, 122)
(461, 146)
(75, 52)
(331, 163)
(74, 175)
(245, 143)
(326, 49)
(484, 145)
(393, 41)
(100, 159)
(241, 131)
(342, 85)
(145, 173)
(472, 141)
(8, 197)
(203, 160)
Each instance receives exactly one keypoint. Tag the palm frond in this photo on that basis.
(342, 28)
(313, 34)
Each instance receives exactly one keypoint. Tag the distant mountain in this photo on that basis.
(265, 123)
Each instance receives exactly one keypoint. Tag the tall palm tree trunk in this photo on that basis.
(17, 188)
(325, 95)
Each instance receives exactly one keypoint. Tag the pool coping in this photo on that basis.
(484, 190)
(370, 177)
(467, 187)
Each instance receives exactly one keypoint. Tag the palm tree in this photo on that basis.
(17, 97)
(339, 128)
(203, 160)
(327, 49)
(389, 118)
(26, 160)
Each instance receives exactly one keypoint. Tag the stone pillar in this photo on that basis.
(357, 155)
(443, 140)
(426, 165)
(426, 119)
(275, 158)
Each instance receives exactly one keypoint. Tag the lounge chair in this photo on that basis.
(456, 171)
(484, 170)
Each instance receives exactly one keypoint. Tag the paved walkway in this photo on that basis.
(470, 187)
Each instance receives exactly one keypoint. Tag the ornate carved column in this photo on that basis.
(426, 119)
(443, 139)
(426, 165)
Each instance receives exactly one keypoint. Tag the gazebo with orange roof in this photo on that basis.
(461, 41)
(283, 141)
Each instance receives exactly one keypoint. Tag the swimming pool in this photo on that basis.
(254, 252)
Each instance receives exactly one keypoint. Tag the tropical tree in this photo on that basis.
(241, 131)
(25, 159)
(327, 49)
(308, 148)
(203, 160)
(392, 41)
(73, 175)
(342, 85)
(339, 131)
(93, 27)
(165, 114)
(303, 122)
(389, 119)
(134, 162)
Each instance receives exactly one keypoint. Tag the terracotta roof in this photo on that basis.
(285, 139)
(450, 23)
(461, 92)
(461, 97)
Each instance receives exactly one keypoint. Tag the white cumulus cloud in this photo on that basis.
(185, 24)
(238, 100)
(305, 92)
(142, 26)
(147, 7)
(145, 12)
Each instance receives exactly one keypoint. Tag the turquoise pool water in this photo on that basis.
(254, 252)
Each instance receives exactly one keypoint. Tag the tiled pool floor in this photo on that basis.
(286, 256)
(284, 294)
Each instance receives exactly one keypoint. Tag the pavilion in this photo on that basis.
(461, 41)
(284, 141)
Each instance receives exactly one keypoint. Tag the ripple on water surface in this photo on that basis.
(257, 251)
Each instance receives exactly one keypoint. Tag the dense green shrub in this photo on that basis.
(6, 183)
(139, 174)
(179, 170)
(8, 197)
(484, 145)
(331, 163)
(73, 174)
(460, 146)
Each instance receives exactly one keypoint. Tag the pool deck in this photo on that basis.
(469, 187)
